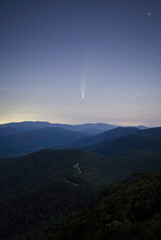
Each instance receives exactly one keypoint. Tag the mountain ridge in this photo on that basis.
(30, 125)
(148, 139)
(107, 136)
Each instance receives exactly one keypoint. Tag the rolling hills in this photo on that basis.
(148, 140)
(39, 190)
(45, 164)
(34, 140)
(8, 131)
(93, 141)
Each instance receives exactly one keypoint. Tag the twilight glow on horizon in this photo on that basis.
(78, 61)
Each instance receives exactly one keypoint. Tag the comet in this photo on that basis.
(83, 88)
(82, 93)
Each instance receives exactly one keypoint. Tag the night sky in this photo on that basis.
(77, 61)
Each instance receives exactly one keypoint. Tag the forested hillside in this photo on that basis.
(94, 141)
(130, 210)
(47, 185)
(127, 210)
(148, 140)
(43, 187)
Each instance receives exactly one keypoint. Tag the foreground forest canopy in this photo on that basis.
(129, 210)
(126, 210)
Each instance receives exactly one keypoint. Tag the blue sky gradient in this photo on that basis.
(51, 49)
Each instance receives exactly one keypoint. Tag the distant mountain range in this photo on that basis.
(17, 139)
(91, 128)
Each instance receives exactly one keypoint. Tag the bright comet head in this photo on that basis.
(83, 89)
(83, 93)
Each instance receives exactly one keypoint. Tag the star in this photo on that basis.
(149, 14)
